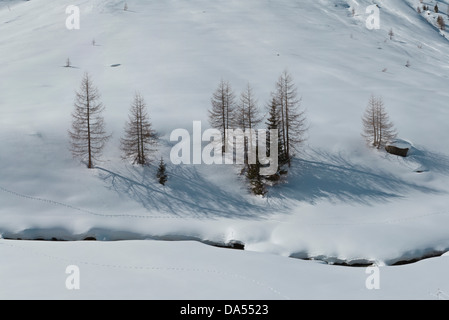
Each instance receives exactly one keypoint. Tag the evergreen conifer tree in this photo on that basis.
(256, 184)
(162, 172)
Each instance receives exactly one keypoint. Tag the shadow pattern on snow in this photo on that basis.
(429, 161)
(188, 194)
(334, 177)
(319, 176)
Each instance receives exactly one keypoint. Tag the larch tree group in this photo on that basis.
(88, 135)
(286, 116)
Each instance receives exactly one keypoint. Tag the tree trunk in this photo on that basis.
(89, 142)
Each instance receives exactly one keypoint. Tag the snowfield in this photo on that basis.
(344, 203)
(193, 271)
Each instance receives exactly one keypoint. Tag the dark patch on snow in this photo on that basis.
(421, 171)
(115, 65)
(364, 263)
(434, 254)
(412, 257)
(401, 152)
(233, 244)
(355, 263)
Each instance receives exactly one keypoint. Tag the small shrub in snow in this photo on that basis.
(162, 173)
(391, 34)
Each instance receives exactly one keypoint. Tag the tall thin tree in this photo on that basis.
(377, 127)
(87, 136)
(247, 118)
(292, 116)
(139, 137)
(221, 115)
(273, 123)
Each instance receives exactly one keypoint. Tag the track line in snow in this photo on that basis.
(176, 269)
(85, 211)
(68, 206)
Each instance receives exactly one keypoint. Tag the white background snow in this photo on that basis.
(343, 203)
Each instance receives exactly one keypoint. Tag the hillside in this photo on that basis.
(343, 201)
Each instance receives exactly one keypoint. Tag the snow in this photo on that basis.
(343, 203)
(154, 270)
(401, 144)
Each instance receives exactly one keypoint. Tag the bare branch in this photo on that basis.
(87, 135)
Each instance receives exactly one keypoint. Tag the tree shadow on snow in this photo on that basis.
(320, 176)
(334, 177)
(188, 193)
(429, 161)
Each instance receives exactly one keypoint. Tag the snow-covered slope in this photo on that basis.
(343, 201)
(191, 271)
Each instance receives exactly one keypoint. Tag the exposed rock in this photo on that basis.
(402, 152)
(233, 244)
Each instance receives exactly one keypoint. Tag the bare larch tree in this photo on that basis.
(273, 123)
(87, 136)
(292, 118)
(377, 127)
(221, 115)
(247, 118)
(140, 138)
